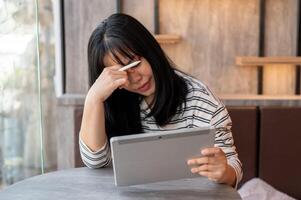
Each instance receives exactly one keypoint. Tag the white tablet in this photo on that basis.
(157, 156)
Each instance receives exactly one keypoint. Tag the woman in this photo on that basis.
(152, 96)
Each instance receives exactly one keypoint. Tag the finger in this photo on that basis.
(191, 162)
(118, 76)
(216, 160)
(213, 179)
(205, 168)
(204, 173)
(114, 68)
(112, 74)
(194, 170)
(215, 168)
(213, 151)
(119, 82)
(199, 161)
(216, 175)
(125, 85)
(117, 73)
(110, 71)
(209, 175)
(201, 168)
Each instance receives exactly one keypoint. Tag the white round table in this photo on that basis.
(86, 184)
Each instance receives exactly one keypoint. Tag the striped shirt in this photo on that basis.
(202, 109)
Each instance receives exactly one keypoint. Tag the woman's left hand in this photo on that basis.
(213, 164)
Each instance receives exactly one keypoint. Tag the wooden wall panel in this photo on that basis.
(280, 40)
(213, 33)
(80, 18)
(141, 10)
(279, 80)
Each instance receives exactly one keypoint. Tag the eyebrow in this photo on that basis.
(130, 61)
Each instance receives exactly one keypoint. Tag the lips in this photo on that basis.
(144, 87)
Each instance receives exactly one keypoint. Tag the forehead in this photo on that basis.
(110, 60)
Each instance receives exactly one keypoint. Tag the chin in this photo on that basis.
(148, 93)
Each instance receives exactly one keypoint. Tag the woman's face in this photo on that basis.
(140, 77)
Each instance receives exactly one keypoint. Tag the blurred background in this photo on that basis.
(22, 92)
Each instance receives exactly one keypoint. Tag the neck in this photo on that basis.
(149, 100)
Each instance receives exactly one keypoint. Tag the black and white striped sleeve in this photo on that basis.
(95, 159)
(224, 139)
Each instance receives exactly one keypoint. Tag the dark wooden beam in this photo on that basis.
(63, 47)
(119, 6)
(262, 5)
(298, 70)
(156, 17)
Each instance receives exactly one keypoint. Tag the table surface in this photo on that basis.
(84, 183)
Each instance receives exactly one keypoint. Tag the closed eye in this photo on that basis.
(137, 65)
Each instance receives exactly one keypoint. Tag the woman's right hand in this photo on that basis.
(109, 80)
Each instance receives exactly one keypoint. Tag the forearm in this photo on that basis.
(92, 130)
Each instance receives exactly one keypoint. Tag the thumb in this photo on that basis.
(119, 82)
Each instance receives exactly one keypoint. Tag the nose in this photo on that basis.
(134, 76)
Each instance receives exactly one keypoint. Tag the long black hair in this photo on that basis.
(121, 34)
